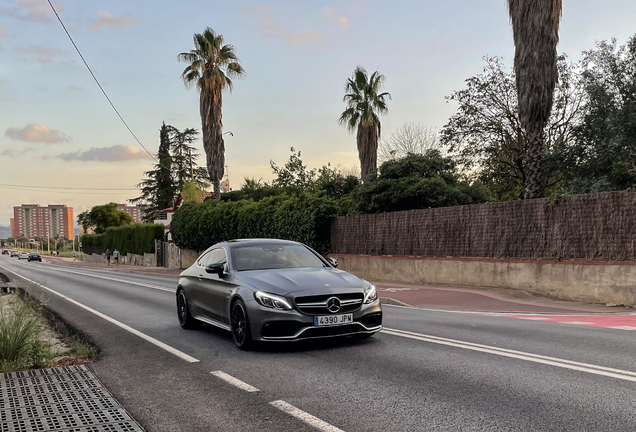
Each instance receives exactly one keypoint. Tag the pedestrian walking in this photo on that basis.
(116, 256)
(108, 256)
(74, 256)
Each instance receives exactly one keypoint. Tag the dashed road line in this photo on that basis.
(536, 358)
(144, 336)
(234, 381)
(305, 416)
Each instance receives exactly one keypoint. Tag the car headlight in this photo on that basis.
(370, 294)
(271, 301)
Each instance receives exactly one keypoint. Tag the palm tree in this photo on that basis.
(364, 104)
(535, 28)
(212, 66)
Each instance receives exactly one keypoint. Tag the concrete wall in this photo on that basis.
(174, 256)
(588, 281)
(188, 257)
(149, 260)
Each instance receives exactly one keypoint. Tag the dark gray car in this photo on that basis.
(275, 290)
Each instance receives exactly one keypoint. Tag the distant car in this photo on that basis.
(34, 256)
(15, 253)
(275, 290)
(23, 255)
(5, 252)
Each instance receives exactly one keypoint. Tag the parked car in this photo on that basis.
(23, 255)
(34, 256)
(5, 252)
(15, 253)
(275, 290)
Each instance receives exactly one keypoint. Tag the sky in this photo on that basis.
(58, 131)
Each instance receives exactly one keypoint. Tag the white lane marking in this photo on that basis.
(157, 287)
(144, 336)
(534, 318)
(536, 358)
(305, 417)
(623, 328)
(576, 323)
(234, 381)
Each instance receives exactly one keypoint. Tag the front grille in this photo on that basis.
(317, 304)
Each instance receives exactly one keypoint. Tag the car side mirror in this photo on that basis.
(333, 262)
(218, 268)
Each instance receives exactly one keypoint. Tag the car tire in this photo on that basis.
(186, 321)
(240, 326)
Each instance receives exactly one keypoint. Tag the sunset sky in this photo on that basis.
(57, 129)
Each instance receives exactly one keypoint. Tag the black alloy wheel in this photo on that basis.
(186, 320)
(240, 326)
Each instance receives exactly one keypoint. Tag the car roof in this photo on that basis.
(258, 241)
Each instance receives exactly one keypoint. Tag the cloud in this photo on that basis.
(36, 133)
(107, 20)
(116, 153)
(42, 54)
(270, 27)
(12, 153)
(33, 10)
(2, 31)
(331, 15)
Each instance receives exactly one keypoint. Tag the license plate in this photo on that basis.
(333, 320)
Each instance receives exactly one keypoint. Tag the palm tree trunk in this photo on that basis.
(534, 177)
(367, 139)
(211, 104)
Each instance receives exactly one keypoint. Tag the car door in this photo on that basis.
(214, 290)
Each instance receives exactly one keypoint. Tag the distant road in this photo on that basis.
(428, 371)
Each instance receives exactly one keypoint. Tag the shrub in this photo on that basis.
(304, 217)
(20, 344)
(136, 239)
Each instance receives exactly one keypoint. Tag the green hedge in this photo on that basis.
(305, 218)
(136, 239)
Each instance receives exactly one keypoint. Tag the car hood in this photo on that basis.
(301, 280)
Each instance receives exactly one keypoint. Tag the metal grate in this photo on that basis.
(69, 399)
(46, 399)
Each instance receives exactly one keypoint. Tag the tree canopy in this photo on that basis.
(103, 216)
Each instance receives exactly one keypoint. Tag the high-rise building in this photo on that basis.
(137, 211)
(31, 220)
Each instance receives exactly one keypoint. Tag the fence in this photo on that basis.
(594, 226)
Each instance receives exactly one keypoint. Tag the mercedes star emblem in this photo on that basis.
(333, 304)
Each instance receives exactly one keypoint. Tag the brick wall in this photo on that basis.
(594, 226)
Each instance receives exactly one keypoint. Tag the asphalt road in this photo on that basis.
(429, 371)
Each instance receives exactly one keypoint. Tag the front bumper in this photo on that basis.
(278, 325)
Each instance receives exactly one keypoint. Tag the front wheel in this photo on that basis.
(240, 326)
(186, 320)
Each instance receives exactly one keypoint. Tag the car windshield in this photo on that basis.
(263, 257)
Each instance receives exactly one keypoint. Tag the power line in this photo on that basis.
(64, 188)
(99, 85)
(60, 191)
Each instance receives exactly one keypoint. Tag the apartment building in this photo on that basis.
(136, 211)
(31, 220)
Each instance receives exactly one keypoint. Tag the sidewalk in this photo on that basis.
(423, 296)
(485, 300)
(154, 271)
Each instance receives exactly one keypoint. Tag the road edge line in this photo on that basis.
(144, 336)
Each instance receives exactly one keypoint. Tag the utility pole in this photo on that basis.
(191, 170)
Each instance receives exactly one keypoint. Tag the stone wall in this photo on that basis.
(588, 281)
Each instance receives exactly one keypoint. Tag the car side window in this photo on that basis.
(217, 256)
(202, 261)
